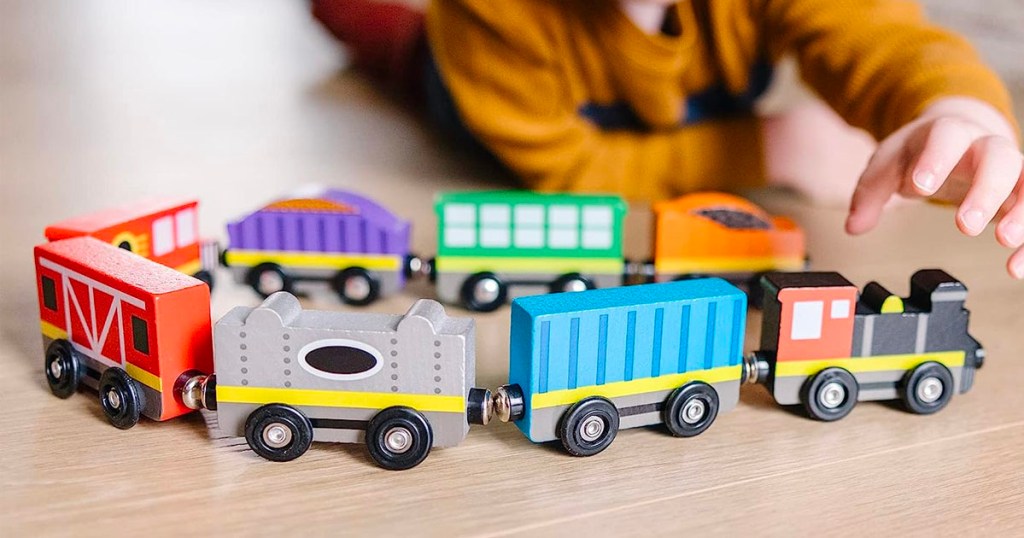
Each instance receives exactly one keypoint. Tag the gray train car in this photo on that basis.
(399, 383)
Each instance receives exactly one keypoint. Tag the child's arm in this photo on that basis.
(503, 70)
(944, 119)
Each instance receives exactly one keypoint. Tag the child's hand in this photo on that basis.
(961, 151)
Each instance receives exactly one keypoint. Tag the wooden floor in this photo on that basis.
(237, 101)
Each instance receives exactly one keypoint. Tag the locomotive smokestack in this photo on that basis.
(937, 289)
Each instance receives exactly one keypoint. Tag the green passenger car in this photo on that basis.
(495, 244)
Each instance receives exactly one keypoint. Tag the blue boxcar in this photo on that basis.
(635, 347)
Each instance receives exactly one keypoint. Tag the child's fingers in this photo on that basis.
(996, 169)
(876, 186)
(947, 140)
(1010, 231)
(1015, 265)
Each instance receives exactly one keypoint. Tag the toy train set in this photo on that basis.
(493, 246)
(582, 365)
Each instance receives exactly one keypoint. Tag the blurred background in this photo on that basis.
(112, 99)
(235, 102)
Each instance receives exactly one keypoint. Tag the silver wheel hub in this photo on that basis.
(277, 435)
(592, 428)
(56, 369)
(694, 410)
(930, 389)
(114, 399)
(270, 282)
(832, 395)
(575, 285)
(398, 440)
(357, 288)
(486, 291)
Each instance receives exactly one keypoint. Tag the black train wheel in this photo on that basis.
(690, 409)
(830, 394)
(278, 432)
(589, 426)
(267, 279)
(399, 438)
(927, 388)
(205, 276)
(121, 398)
(356, 286)
(63, 370)
(571, 282)
(483, 292)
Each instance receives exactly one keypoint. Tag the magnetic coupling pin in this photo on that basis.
(755, 368)
(199, 391)
(506, 404)
(509, 404)
(414, 267)
(479, 406)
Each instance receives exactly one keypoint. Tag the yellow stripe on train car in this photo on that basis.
(250, 258)
(880, 363)
(619, 389)
(190, 268)
(727, 264)
(52, 331)
(503, 264)
(56, 333)
(336, 398)
(144, 377)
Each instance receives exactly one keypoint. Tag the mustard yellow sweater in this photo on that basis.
(521, 71)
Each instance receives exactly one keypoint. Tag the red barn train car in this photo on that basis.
(119, 323)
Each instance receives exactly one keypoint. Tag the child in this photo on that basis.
(651, 98)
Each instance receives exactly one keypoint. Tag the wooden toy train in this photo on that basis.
(493, 246)
(163, 230)
(581, 365)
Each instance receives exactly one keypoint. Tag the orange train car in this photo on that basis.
(723, 235)
(165, 231)
(131, 329)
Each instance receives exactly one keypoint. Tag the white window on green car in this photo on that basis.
(563, 226)
(563, 216)
(563, 238)
(494, 237)
(495, 225)
(494, 215)
(529, 237)
(460, 225)
(528, 226)
(460, 237)
(597, 227)
(460, 214)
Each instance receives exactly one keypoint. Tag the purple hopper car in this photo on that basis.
(345, 240)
